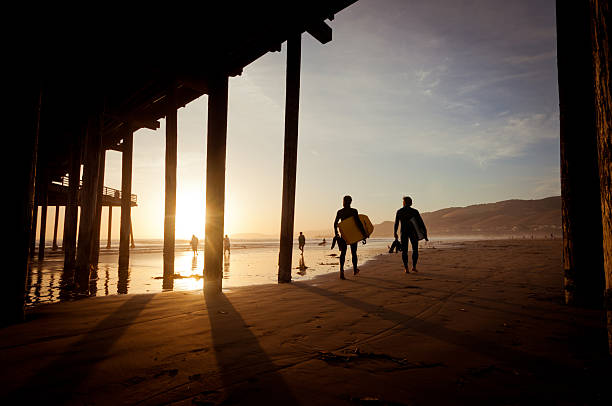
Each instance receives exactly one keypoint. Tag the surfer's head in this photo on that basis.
(346, 201)
(407, 201)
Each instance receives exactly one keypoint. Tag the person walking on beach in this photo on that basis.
(226, 244)
(413, 230)
(344, 213)
(301, 242)
(194, 244)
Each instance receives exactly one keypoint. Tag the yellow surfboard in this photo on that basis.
(350, 231)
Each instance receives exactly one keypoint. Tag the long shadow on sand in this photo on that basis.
(550, 374)
(58, 382)
(249, 376)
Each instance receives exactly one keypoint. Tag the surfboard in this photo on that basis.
(350, 231)
(417, 228)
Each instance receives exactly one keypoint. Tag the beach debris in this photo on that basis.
(332, 255)
(169, 372)
(221, 312)
(179, 276)
(348, 355)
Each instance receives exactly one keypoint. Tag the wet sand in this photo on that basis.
(482, 323)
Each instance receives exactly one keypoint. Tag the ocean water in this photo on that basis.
(250, 262)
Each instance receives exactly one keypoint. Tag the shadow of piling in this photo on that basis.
(249, 376)
(58, 382)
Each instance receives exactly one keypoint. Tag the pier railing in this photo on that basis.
(106, 191)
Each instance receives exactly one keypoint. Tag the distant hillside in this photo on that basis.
(510, 217)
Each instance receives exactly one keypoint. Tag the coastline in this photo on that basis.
(481, 323)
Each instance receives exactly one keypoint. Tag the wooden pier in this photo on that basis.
(101, 88)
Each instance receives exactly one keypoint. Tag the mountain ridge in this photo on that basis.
(514, 217)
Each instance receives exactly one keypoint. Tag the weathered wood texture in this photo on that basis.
(34, 225)
(110, 227)
(89, 203)
(43, 218)
(292, 107)
(215, 184)
(126, 191)
(170, 190)
(72, 207)
(95, 247)
(600, 34)
(581, 205)
(22, 206)
(55, 224)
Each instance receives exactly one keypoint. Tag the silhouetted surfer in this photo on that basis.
(194, 244)
(343, 214)
(226, 244)
(413, 229)
(301, 242)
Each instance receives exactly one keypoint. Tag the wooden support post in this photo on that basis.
(71, 215)
(57, 208)
(170, 205)
(580, 190)
(215, 184)
(95, 248)
(34, 225)
(89, 204)
(110, 224)
(600, 35)
(43, 219)
(21, 205)
(292, 108)
(126, 194)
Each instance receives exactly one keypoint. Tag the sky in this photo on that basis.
(450, 102)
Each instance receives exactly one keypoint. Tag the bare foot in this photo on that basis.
(414, 270)
(355, 271)
(407, 271)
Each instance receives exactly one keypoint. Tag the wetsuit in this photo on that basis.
(409, 233)
(343, 214)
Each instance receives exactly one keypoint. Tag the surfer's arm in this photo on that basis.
(360, 226)
(396, 225)
(336, 225)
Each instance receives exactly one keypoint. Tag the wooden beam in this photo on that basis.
(600, 48)
(57, 208)
(72, 206)
(580, 188)
(215, 184)
(25, 157)
(170, 191)
(292, 108)
(95, 249)
(89, 203)
(44, 185)
(320, 31)
(126, 191)
(110, 224)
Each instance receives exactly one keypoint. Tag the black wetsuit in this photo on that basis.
(409, 233)
(343, 214)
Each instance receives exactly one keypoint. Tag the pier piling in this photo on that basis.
(215, 183)
(170, 192)
(292, 106)
(126, 193)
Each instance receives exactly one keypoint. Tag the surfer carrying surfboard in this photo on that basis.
(344, 213)
(413, 229)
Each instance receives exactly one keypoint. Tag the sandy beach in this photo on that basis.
(481, 323)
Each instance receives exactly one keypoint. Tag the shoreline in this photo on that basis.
(483, 323)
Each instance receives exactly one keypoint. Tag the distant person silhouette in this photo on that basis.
(344, 213)
(301, 242)
(194, 244)
(226, 244)
(413, 230)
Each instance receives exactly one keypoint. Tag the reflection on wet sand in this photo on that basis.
(302, 266)
(226, 265)
(124, 281)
